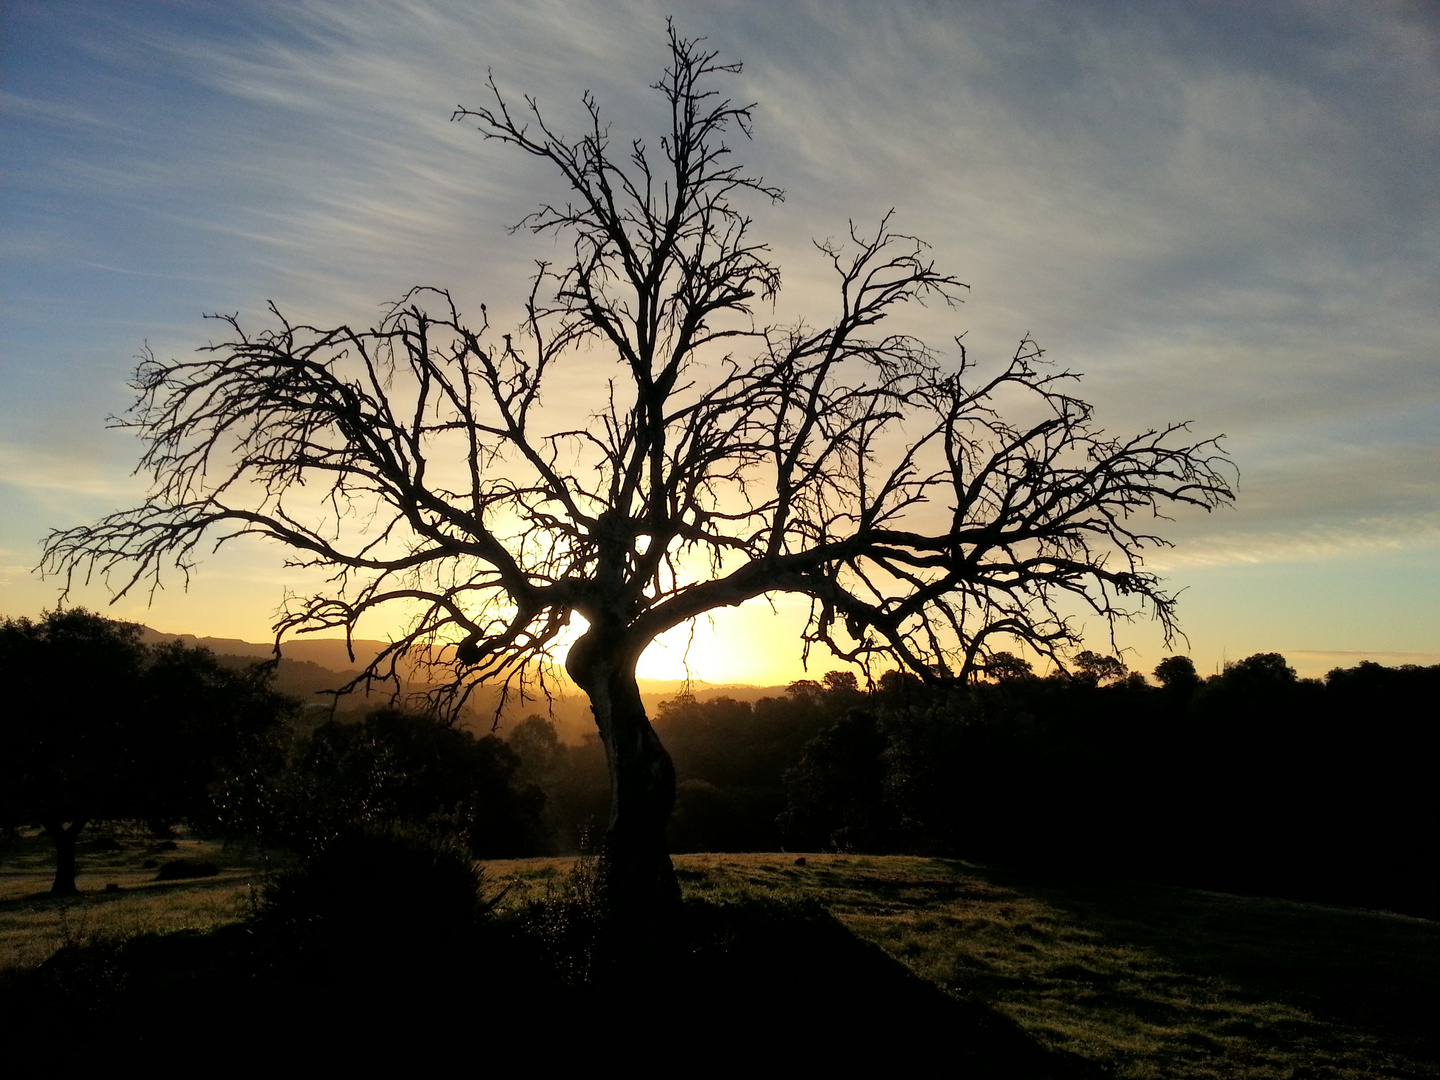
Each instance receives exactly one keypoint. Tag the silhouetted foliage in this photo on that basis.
(536, 744)
(1178, 676)
(1260, 677)
(390, 769)
(730, 757)
(1092, 669)
(381, 905)
(1003, 666)
(1252, 781)
(837, 790)
(98, 726)
(573, 809)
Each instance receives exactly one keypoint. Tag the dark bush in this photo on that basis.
(393, 767)
(568, 924)
(99, 727)
(704, 819)
(379, 903)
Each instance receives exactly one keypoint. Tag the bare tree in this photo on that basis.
(733, 459)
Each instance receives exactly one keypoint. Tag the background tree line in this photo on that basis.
(102, 728)
(1252, 780)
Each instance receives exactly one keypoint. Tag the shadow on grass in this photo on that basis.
(1346, 966)
(790, 978)
(752, 983)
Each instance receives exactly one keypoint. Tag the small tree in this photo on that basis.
(1005, 666)
(1092, 669)
(98, 726)
(729, 458)
(1178, 676)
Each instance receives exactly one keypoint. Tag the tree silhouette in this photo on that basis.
(415, 771)
(99, 726)
(1177, 675)
(727, 458)
(1092, 668)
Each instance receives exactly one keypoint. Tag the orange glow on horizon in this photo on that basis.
(754, 644)
(757, 644)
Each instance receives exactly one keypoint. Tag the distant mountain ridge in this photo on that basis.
(306, 664)
(330, 653)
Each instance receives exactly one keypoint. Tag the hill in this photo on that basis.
(825, 959)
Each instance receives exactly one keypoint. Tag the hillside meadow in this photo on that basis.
(33, 926)
(1138, 980)
(1102, 977)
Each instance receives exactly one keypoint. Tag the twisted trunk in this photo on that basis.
(639, 876)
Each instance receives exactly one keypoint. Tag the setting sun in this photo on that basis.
(757, 643)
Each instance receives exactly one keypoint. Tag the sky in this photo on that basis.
(1227, 213)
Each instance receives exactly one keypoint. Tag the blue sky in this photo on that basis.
(1218, 212)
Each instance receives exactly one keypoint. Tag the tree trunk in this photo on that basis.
(64, 838)
(639, 877)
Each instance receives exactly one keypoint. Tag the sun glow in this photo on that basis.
(757, 643)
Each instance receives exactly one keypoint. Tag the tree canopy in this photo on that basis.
(100, 726)
(935, 509)
(388, 770)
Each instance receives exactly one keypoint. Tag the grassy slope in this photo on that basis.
(1142, 981)
(33, 926)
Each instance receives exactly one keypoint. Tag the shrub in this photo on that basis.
(568, 922)
(409, 770)
(379, 902)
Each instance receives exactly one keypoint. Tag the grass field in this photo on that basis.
(33, 925)
(1138, 980)
(1141, 980)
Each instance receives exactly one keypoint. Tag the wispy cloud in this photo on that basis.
(1309, 543)
(1219, 212)
(59, 488)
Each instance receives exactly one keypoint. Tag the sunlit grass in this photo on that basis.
(1141, 980)
(34, 925)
